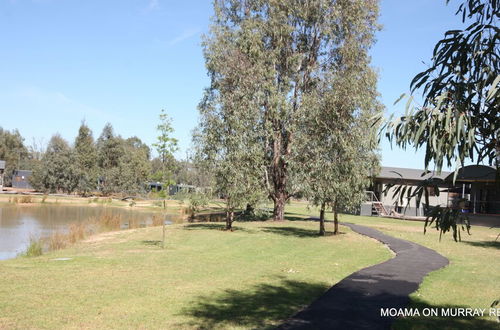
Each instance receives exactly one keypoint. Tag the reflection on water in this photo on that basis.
(19, 223)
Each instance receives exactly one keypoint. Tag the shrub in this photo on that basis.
(26, 199)
(157, 220)
(34, 249)
(57, 241)
(76, 232)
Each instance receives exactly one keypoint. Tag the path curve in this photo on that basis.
(356, 301)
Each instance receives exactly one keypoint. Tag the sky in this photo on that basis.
(64, 61)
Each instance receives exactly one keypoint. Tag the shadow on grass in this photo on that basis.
(296, 232)
(488, 244)
(152, 243)
(291, 231)
(212, 226)
(260, 306)
(443, 322)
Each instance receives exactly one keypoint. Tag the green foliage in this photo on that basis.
(265, 59)
(57, 171)
(197, 201)
(446, 219)
(165, 146)
(336, 144)
(123, 164)
(86, 160)
(34, 249)
(14, 152)
(458, 120)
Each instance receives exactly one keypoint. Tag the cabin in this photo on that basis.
(154, 186)
(473, 191)
(180, 188)
(20, 179)
(2, 171)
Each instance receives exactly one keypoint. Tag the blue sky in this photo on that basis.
(62, 61)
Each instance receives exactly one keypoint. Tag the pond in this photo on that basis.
(20, 223)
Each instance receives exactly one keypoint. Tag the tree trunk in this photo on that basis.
(335, 220)
(229, 220)
(279, 209)
(250, 209)
(322, 231)
(279, 171)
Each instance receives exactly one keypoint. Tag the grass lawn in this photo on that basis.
(251, 278)
(206, 278)
(471, 280)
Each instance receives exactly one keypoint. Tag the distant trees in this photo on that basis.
(58, 170)
(14, 152)
(111, 164)
(86, 160)
(290, 79)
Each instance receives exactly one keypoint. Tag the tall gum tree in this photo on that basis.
(337, 145)
(281, 46)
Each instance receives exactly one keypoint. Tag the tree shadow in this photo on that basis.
(360, 301)
(296, 232)
(260, 306)
(291, 231)
(487, 244)
(212, 226)
(152, 243)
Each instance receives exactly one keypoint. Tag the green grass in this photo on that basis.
(253, 277)
(471, 280)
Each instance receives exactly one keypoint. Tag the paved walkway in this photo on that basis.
(356, 301)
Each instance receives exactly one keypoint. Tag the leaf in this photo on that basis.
(493, 88)
(399, 98)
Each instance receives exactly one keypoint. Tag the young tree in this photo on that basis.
(166, 145)
(86, 160)
(228, 150)
(459, 117)
(271, 52)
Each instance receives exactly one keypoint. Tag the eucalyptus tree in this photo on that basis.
(337, 151)
(459, 118)
(228, 141)
(278, 48)
(86, 159)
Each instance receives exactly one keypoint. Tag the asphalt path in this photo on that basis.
(357, 300)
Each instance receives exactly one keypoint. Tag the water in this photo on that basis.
(19, 223)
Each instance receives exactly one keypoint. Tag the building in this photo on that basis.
(154, 186)
(20, 179)
(474, 191)
(2, 171)
(180, 188)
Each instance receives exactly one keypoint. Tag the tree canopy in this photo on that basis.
(459, 119)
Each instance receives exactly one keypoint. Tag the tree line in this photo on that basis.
(109, 164)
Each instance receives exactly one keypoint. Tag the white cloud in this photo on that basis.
(186, 34)
(152, 5)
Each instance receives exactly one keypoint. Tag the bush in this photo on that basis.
(34, 249)
(196, 202)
